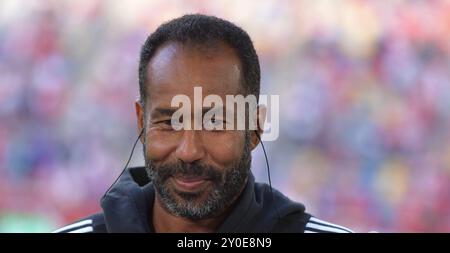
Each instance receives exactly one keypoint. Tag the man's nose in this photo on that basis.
(191, 147)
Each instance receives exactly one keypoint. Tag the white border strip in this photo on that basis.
(325, 228)
(328, 223)
(74, 225)
(82, 230)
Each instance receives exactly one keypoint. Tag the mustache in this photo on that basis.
(182, 169)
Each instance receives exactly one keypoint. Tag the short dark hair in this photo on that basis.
(203, 30)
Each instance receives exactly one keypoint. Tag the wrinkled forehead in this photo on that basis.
(177, 68)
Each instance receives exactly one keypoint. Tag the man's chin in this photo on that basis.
(186, 201)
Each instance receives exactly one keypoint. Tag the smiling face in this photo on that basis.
(196, 173)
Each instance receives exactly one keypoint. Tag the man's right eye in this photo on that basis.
(167, 122)
(164, 124)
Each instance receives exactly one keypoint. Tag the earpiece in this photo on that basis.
(129, 159)
(268, 173)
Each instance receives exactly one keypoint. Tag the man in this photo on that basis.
(196, 180)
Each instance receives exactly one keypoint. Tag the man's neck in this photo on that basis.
(164, 222)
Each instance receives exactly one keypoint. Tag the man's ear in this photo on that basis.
(140, 116)
(261, 117)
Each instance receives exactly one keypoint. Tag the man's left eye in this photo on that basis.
(215, 124)
(216, 121)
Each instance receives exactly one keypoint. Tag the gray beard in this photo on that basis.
(227, 185)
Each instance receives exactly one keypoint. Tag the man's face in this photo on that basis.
(196, 173)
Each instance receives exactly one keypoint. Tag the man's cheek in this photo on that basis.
(227, 152)
(158, 150)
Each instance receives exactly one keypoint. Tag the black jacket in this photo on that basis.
(127, 207)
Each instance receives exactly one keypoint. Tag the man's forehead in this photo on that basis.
(175, 70)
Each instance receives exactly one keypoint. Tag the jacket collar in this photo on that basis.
(127, 206)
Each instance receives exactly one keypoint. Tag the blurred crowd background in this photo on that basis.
(365, 105)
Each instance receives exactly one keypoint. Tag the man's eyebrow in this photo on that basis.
(170, 111)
